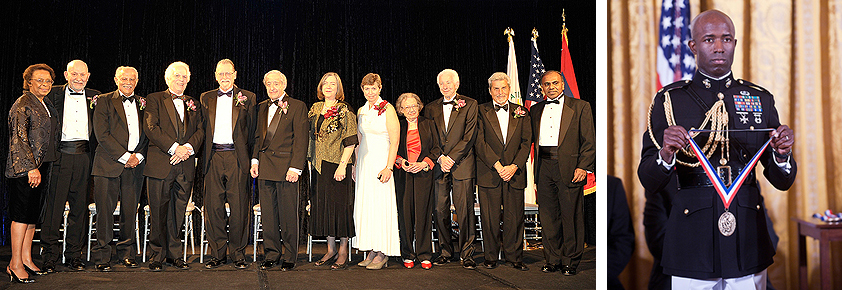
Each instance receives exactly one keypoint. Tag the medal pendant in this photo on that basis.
(724, 173)
(727, 223)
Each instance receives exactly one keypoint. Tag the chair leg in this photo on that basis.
(64, 236)
(254, 248)
(309, 248)
(145, 234)
(136, 232)
(202, 241)
(90, 233)
(186, 236)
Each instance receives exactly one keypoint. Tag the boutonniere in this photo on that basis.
(142, 102)
(191, 105)
(241, 100)
(332, 112)
(381, 107)
(459, 104)
(92, 100)
(284, 107)
(519, 112)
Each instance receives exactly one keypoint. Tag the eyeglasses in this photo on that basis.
(410, 107)
(77, 74)
(42, 81)
(127, 79)
(225, 74)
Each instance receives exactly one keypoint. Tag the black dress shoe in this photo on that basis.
(489, 264)
(213, 263)
(49, 267)
(549, 268)
(76, 264)
(469, 264)
(129, 263)
(156, 266)
(266, 265)
(568, 271)
(181, 264)
(33, 272)
(441, 260)
(241, 264)
(103, 267)
(342, 266)
(520, 266)
(14, 278)
(285, 266)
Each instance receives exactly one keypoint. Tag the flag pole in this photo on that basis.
(509, 32)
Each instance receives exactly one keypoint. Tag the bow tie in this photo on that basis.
(452, 103)
(504, 107)
(130, 99)
(553, 101)
(72, 93)
(229, 93)
(276, 102)
(174, 97)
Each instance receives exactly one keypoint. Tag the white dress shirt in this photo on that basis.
(223, 131)
(551, 123)
(133, 121)
(273, 110)
(75, 121)
(503, 118)
(179, 107)
(446, 110)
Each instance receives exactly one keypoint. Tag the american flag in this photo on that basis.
(675, 60)
(536, 70)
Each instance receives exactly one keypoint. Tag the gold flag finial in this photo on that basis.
(509, 32)
(563, 24)
(534, 34)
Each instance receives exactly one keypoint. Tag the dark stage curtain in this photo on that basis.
(406, 42)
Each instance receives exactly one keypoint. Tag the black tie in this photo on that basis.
(504, 107)
(72, 93)
(229, 93)
(449, 103)
(131, 99)
(553, 101)
(276, 102)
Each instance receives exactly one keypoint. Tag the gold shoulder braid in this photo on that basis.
(718, 118)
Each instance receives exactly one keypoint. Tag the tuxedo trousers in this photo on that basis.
(561, 213)
(511, 238)
(168, 199)
(463, 202)
(279, 214)
(127, 189)
(69, 180)
(226, 182)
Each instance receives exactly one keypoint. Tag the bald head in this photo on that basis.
(713, 43)
(707, 17)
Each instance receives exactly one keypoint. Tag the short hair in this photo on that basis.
(497, 77)
(27, 74)
(228, 61)
(122, 69)
(447, 72)
(69, 64)
(171, 69)
(371, 79)
(405, 96)
(340, 92)
(552, 71)
(274, 71)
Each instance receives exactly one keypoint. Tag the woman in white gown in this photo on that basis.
(375, 204)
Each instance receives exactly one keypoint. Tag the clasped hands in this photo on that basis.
(181, 154)
(412, 167)
(446, 163)
(134, 161)
(505, 172)
(676, 137)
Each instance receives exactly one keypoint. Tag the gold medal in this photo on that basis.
(727, 223)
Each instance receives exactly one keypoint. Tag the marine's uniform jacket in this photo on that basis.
(693, 244)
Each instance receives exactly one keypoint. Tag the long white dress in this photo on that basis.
(375, 204)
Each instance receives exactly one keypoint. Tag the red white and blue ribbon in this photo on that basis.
(727, 194)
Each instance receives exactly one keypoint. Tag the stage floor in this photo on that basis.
(306, 275)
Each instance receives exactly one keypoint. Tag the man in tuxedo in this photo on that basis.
(504, 139)
(563, 132)
(229, 131)
(118, 167)
(173, 124)
(456, 118)
(279, 155)
(71, 173)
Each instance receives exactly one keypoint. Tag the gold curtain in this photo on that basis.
(793, 49)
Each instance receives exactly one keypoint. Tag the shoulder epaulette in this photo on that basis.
(675, 85)
(752, 85)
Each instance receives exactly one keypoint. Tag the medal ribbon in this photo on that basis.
(727, 194)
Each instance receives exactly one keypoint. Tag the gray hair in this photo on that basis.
(228, 61)
(405, 96)
(448, 72)
(171, 69)
(122, 69)
(497, 77)
(274, 71)
(74, 62)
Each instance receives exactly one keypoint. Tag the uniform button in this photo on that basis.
(686, 211)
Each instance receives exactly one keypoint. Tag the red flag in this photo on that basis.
(571, 89)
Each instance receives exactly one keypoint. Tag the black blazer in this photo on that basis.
(490, 147)
(111, 128)
(56, 96)
(244, 117)
(288, 147)
(458, 141)
(576, 140)
(161, 127)
(429, 139)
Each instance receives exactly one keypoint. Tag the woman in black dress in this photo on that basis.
(33, 127)
(333, 136)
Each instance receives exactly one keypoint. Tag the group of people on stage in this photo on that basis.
(376, 179)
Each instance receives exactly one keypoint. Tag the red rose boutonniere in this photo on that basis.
(142, 102)
(241, 100)
(459, 104)
(191, 106)
(284, 107)
(381, 107)
(332, 112)
(92, 100)
(519, 112)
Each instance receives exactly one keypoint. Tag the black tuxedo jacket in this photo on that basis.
(243, 117)
(490, 147)
(428, 134)
(458, 140)
(111, 128)
(288, 147)
(161, 126)
(56, 96)
(576, 140)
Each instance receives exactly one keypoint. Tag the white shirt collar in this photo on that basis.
(713, 78)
